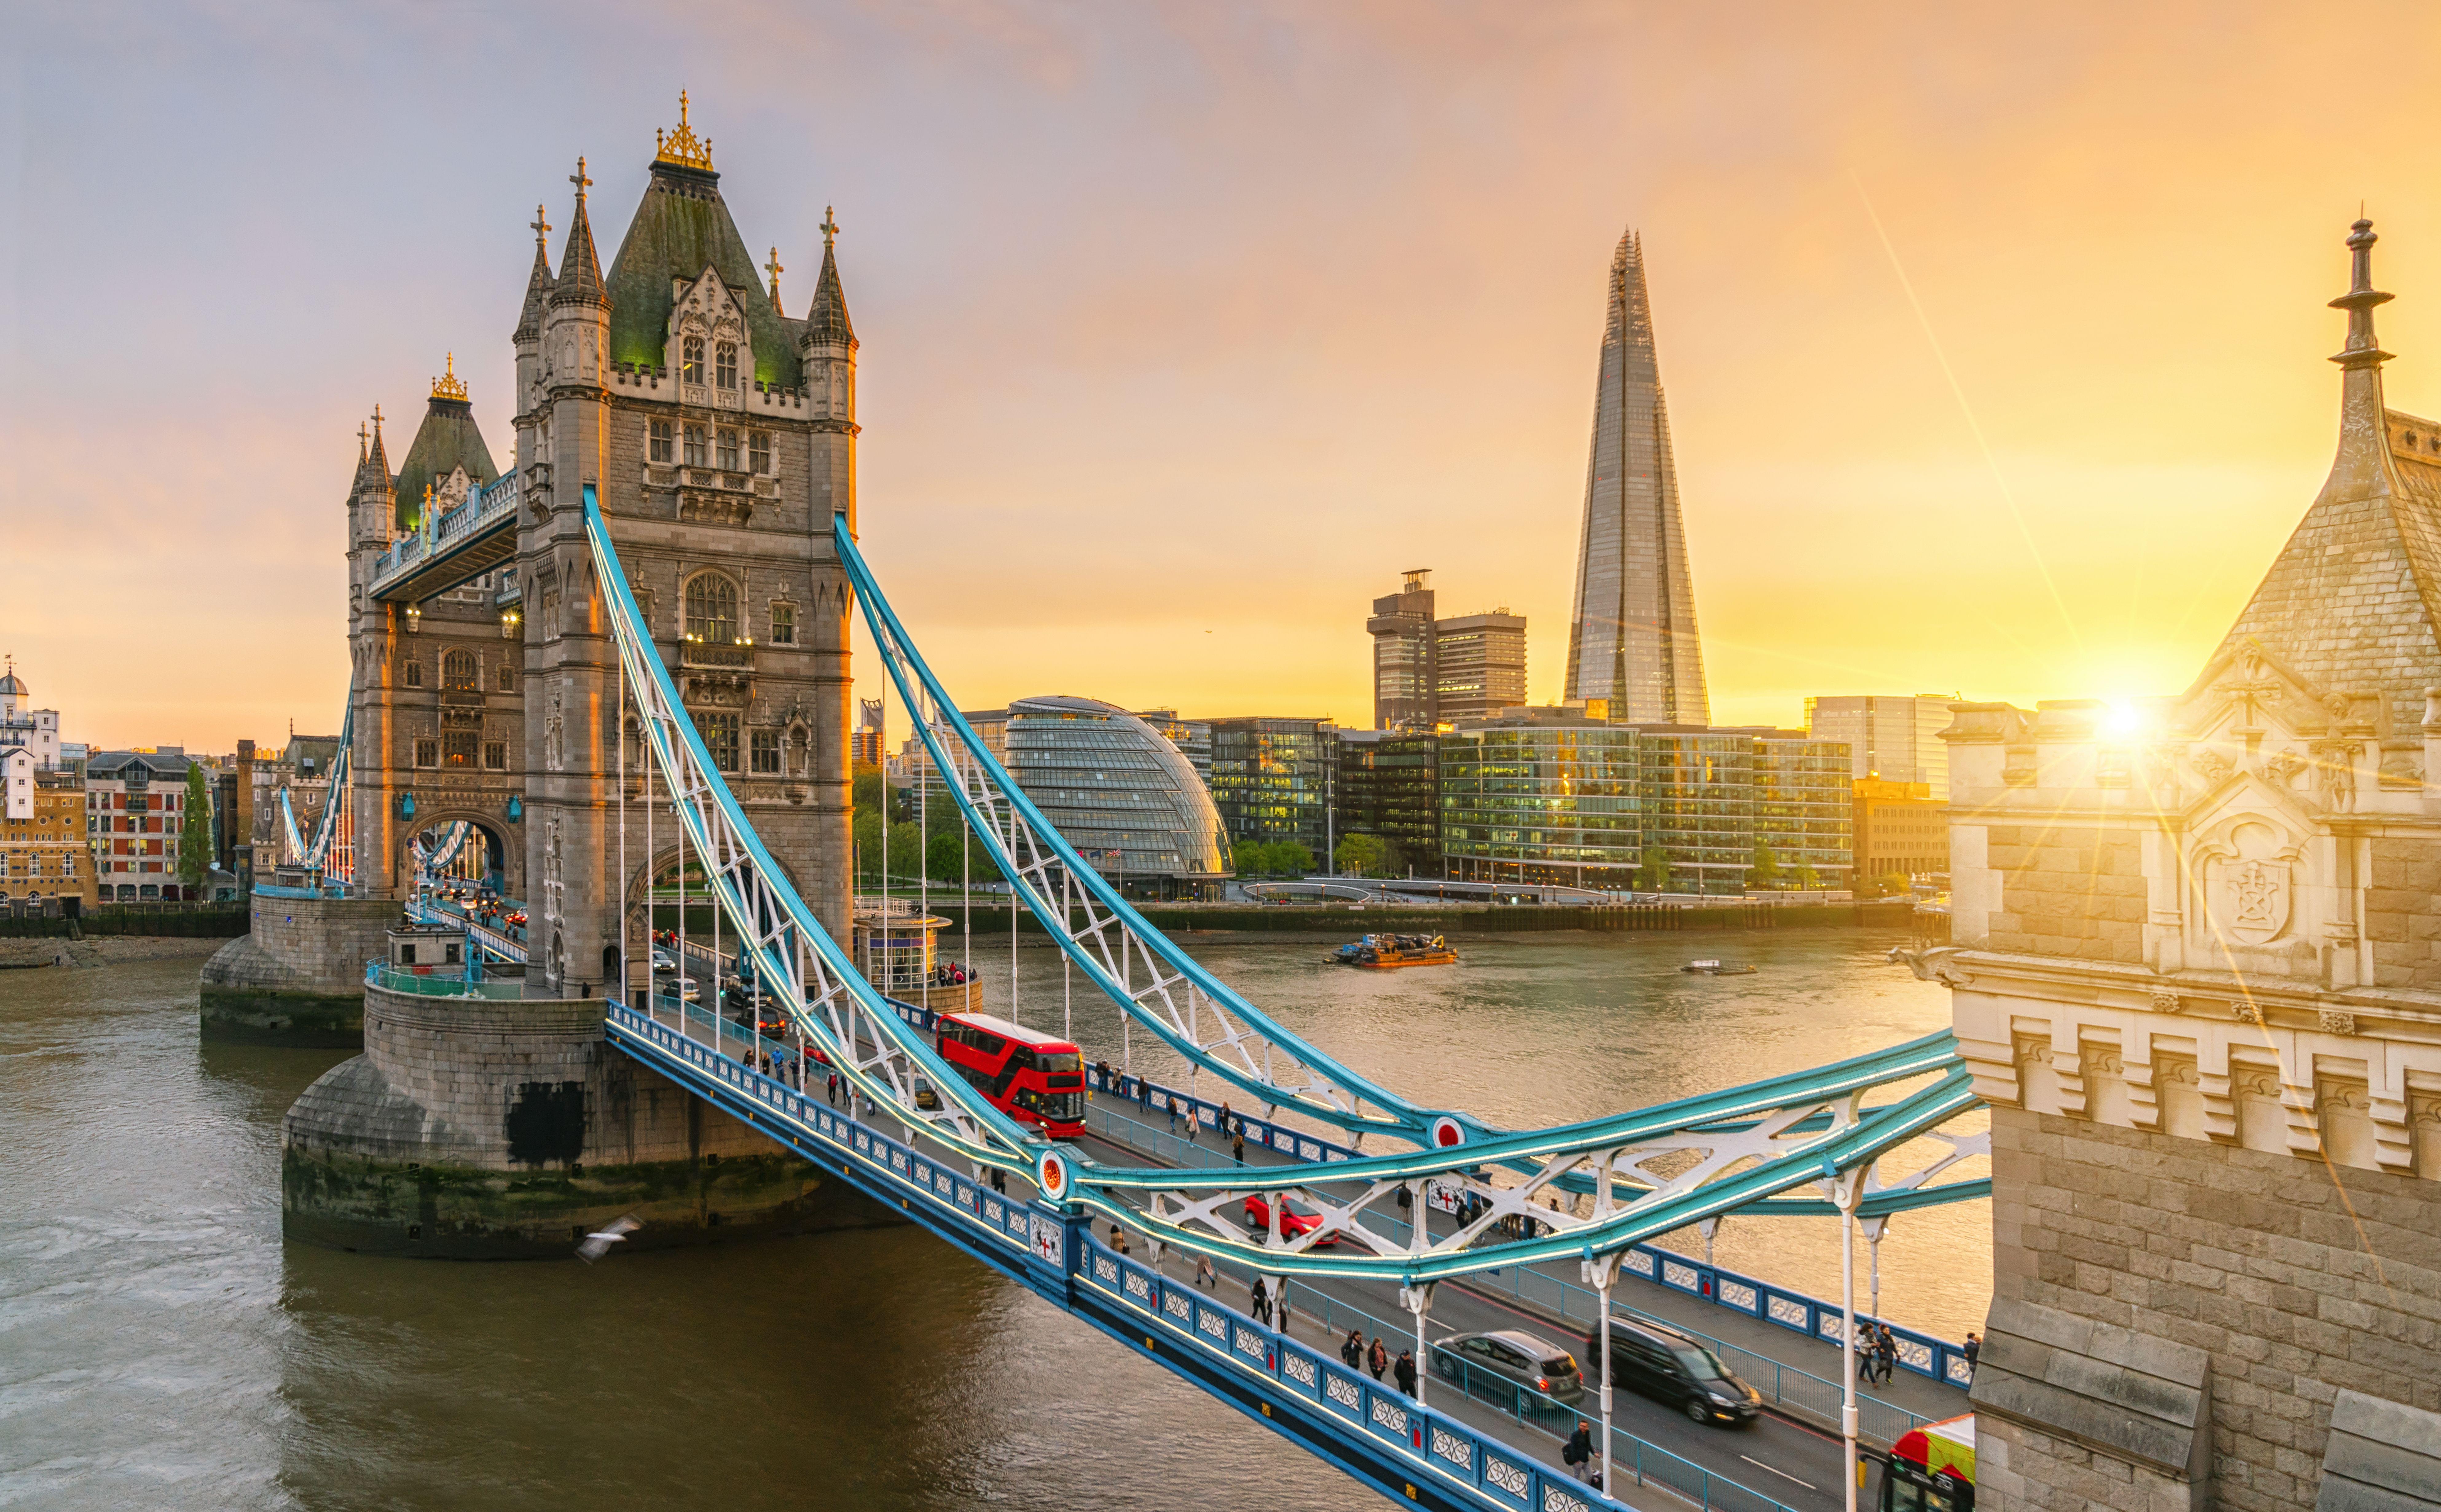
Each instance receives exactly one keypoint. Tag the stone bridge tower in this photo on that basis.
(2196, 966)
(720, 434)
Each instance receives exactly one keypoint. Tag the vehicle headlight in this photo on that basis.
(1719, 1400)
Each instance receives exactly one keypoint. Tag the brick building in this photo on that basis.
(135, 802)
(44, 849)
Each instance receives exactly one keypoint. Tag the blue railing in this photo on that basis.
(494, 500)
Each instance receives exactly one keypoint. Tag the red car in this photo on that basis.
(1296, 1220)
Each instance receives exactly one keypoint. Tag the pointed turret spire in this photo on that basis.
(379, 459)
(774, 269)
(539, 283)
(826, 321)
(2363, 351)
(580, 267)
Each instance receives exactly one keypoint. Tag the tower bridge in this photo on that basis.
(625, 662)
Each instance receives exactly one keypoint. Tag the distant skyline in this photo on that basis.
(1189, 327)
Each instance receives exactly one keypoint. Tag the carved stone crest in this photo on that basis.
(2250, 884)
(2339, 1021)
(2166, 1001)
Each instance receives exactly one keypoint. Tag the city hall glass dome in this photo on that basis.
(1124, 796)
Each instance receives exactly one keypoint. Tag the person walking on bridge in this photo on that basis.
(1378, 1358)
(1204, 1275)
(1352, 1349)
(1578, 1456)
(1238, 1142)
(1262, 1303)
(1406, 1371)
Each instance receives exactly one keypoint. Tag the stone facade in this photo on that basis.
(501, 1129)
(719, 437)
(297, 977)
(2193, 974)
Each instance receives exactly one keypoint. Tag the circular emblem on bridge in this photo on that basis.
(1447, 1131)
(1051, 1175)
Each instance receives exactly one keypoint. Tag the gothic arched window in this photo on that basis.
(712, 609)
(725, 364)
(458, 668)
(690, 360)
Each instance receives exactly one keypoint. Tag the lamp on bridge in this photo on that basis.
(509, 621)
(407, 806)
(414, 618)
(516, 810)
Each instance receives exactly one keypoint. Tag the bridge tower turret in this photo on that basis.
(570, 672)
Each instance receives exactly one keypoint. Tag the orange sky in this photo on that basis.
(1186, 329)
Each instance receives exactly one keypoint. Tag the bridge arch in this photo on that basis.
(503, 859)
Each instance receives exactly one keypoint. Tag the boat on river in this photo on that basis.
(1382, 953)
(1718, 968)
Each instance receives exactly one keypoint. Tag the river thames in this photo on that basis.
(160, 1345)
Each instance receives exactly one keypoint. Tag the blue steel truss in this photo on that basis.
(319, 854)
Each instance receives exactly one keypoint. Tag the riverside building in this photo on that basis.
(1560, 795)
(134, 803)
(1389, 786)
(1121, 793)
(1272, 779)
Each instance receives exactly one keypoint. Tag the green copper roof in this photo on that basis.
(447, 440)
(679, 229)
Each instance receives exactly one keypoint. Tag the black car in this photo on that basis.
(1668, 1366)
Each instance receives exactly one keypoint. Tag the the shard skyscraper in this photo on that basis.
(1632, 639)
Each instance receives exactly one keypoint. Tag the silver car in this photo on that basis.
(1510, 1356)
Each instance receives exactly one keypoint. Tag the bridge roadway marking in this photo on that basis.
(851, 1139)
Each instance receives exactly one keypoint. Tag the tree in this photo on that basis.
(195, 833)
(1365, 856)
(1807, 877)
(1895, 881)
(1653, 874)
(1765, 870)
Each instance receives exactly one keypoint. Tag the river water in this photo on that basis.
(160, 1345)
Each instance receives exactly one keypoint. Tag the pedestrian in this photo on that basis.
(1173, 1115)
(1378, 1358)
(1974, 1348)
(1118, 1239)
(1406, 1371)
(1283, 1323)
(999, 1181)
(1577, 1454)
(1238, 1144)
(1352, 1349)
(1887, 1350)
(1263, 1304)
(1203, 1274)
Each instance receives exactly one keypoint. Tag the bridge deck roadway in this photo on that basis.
(1145, 1137)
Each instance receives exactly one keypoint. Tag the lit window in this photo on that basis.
(696, 447)
(758, 451)
(458, 747)
(712, 609)
(719, 731)
(458, 670)
(784, 624)
(663, 441)
(725, 364)
(726, 455)
(690, 360)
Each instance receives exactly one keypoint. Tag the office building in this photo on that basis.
(864, 741)
(1560, 795)
(1895, 738)
(1388, 786)
(1272, 779)
(1401, 628)
(1429, 671)
(1478, 665)
(1902, 830)
(1632, 635)
(1122, 795)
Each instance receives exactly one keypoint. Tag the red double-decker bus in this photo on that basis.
(1034, 1078)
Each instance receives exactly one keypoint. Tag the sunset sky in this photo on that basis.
(1187, 328)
